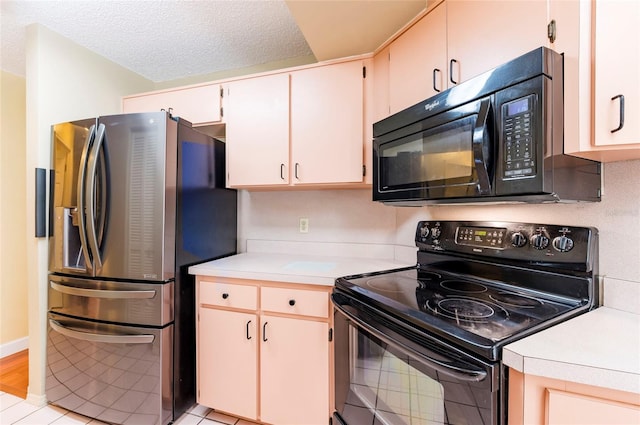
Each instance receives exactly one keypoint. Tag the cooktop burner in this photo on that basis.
(389, 284)
(461, 286)
(466, 309)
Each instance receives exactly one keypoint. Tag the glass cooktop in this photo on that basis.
(467, 307)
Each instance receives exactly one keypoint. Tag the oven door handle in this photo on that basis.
(438, 365)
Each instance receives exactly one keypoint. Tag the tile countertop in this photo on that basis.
(309, 269)
(600, 348)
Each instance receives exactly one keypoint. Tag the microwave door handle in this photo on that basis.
(82, 175)
(90, 197)
(480, 140)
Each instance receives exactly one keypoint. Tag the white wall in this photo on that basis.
(64, 82)
(351, 216)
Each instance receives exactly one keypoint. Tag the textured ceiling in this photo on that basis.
(161, 40)
(166, 40)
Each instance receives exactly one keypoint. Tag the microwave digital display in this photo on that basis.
(518, 107)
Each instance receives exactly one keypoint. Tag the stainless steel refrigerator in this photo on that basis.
(135, 200)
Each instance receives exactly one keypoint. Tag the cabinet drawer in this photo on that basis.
(295, 301)
(229, 295)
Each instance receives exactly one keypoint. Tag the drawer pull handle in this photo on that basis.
(248, 323)
(225, 296)
(292, 302)
(264, 332)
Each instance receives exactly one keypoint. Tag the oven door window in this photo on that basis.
(387, 386)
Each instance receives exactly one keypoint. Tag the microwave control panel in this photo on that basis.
(517, 131)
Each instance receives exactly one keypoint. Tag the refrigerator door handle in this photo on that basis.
(90, 197)
(81, 198)
(93, 337)
(99, 293)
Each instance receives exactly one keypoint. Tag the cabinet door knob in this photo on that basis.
(621, 97)
(225, 296)
(292, 302)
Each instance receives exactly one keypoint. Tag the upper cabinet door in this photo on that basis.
(418, 61)
(483, 34)
(617, 72)
(257, 132)
(198, 105)
(327, 120)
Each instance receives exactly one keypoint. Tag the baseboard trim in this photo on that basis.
(36, 400)
(14, 346)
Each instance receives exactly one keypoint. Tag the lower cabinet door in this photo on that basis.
(294, 371)
(564, 408)
(227, 361)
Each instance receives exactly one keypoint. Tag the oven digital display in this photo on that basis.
(481, 236)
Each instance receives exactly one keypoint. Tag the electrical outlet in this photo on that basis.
(304, 225)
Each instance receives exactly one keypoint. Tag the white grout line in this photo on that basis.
(15, 410)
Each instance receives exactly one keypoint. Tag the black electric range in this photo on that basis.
(482, 285)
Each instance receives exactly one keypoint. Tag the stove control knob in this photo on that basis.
(518, 240)
(539, 241)
(436, 232)
(563, 243)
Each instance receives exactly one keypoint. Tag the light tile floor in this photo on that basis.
(15, 410)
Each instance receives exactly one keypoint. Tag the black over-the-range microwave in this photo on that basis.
(497, 137)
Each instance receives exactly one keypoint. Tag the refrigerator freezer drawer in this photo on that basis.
(116, 374)
(122, 302)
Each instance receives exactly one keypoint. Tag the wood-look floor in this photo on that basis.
(14, 374)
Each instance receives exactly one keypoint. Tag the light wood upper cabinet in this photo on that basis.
(483, 34)
(327, 121)
(381, 85)
(257, 131)
(601, 47)
(617, 72)
(201, 105)
(417, 61)
(304, 127)
(458, 40)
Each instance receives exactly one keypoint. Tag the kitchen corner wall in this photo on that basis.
(350, 216)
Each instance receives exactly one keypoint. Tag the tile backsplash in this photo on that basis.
(349, 216)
